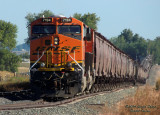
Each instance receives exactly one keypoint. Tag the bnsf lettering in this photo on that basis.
(49, 48)
(40, 48)
(65, 48)
(56, 49)
(74, 48)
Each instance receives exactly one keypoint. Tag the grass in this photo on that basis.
(145, 101)
(23, 69)
(14, 84)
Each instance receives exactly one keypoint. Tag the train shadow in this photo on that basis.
(19, 96)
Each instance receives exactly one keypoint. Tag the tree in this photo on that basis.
(154, 49)
(132, 44)
(9, 61)
(120, 42)
(32, 17)
(127, 34)
(7, 35)
(89, 19)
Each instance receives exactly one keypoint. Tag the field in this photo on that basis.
(23, 64)
(14, 84)
(15, 81)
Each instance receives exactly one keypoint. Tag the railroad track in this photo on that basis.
(42, 103)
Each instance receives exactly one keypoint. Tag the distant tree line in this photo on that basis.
(25, 55)
(136, 46)
(22, 46)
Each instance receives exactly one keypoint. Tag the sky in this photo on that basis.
(141, 16)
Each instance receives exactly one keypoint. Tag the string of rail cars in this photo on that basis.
(69, 58)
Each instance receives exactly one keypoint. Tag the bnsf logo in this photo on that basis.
(55, 49)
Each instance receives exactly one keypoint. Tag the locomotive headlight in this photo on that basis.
(42, 64)
(56, 41)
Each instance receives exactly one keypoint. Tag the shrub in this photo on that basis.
(158, 84)
(8, 61)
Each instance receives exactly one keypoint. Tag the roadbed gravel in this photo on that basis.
(79, 107)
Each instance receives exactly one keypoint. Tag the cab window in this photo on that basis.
(44, 29)
(69, 29)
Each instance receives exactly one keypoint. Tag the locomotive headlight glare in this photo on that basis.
(56, 41)
(42, 64)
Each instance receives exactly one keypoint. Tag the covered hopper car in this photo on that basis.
(67, 58)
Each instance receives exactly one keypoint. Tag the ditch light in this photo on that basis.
(56, 41)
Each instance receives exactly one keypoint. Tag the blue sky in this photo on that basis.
(141, 16)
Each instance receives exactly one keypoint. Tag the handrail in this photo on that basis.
(75, 61)
(36, 61)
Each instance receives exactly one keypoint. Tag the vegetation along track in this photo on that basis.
(50, 102)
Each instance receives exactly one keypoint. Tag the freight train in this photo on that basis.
(69, 58)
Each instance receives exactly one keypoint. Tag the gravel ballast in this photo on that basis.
(75, 108)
